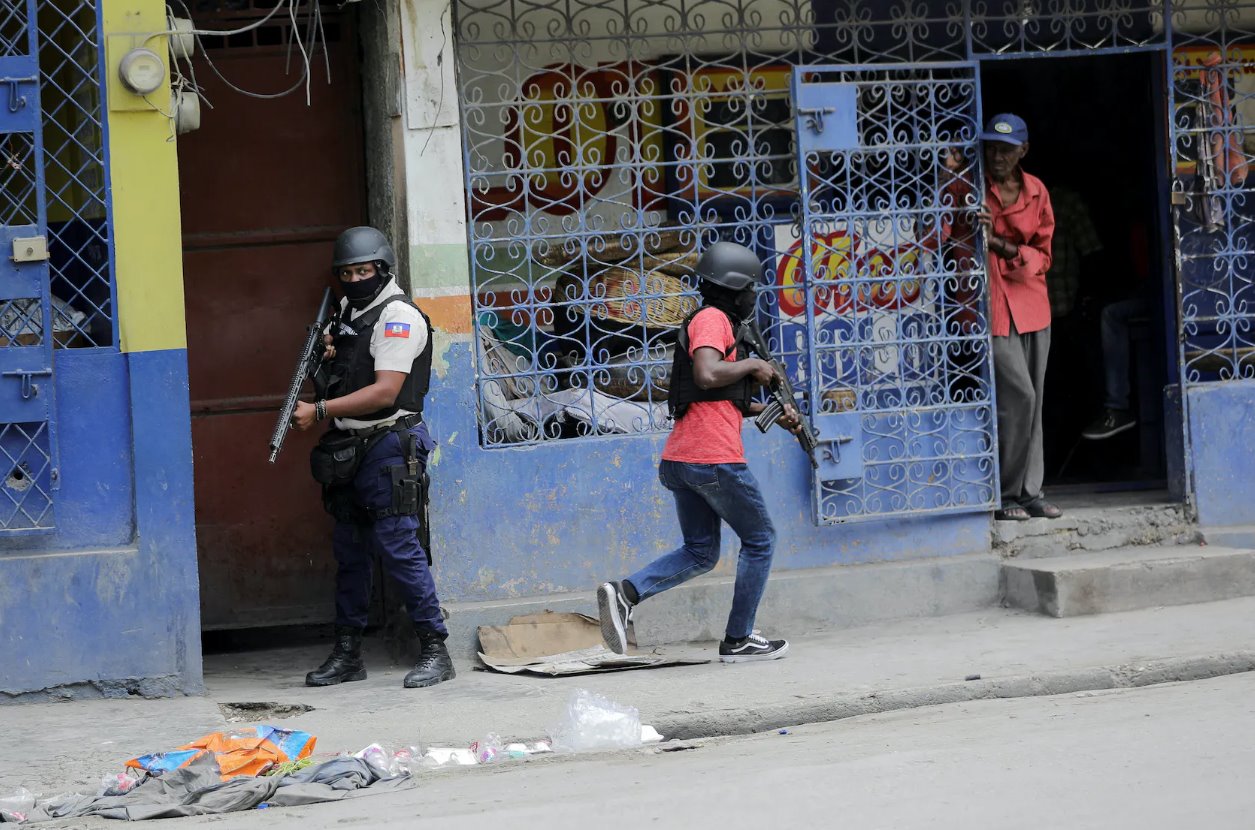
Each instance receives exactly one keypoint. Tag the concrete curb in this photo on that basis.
(750, 720)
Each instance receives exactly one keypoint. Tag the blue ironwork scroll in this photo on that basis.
(1213, 139)
(895, 315)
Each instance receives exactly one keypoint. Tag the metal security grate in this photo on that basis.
(894, 311)
(28, 450)
(76, 178)
(21, 322)
(13, 29)
(607, 144)
(1213, 126)
(25, 462)
(18, 202)
(1017, 27)
(605, 147)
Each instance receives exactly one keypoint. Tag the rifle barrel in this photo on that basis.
(308, 352)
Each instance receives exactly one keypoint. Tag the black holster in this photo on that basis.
(406, 481)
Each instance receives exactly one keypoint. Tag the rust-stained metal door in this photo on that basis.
(266, 185)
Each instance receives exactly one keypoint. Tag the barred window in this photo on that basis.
(1213, 120)
(606, 146)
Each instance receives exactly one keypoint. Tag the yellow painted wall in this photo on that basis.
(145, 177)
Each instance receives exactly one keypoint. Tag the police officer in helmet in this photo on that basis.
(713, 379)
(371, 463)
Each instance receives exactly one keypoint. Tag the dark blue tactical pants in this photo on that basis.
(393, 538)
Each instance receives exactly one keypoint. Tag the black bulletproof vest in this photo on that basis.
(684, 389)
(353, 367)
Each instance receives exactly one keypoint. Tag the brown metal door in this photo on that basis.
(265, 187)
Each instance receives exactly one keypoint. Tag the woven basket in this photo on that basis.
(627, 302)
(615, 294)
(675, 263)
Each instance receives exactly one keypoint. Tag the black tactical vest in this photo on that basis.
(353, 367)
(684, 389)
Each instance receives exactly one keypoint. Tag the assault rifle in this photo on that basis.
(308, 366)
(781, 392)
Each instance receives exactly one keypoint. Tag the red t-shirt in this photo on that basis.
(710, 431)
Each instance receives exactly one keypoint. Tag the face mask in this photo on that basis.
(360, 293)
(745, 302)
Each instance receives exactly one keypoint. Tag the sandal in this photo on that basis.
(1041, 509)
(1014, 513)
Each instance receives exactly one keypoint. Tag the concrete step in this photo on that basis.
(796, 601)
(1233, 536)
(1127, 579)
(1096, 528)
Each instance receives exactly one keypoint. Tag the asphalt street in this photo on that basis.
(1168, 756)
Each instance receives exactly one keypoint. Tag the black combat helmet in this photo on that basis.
(730, 266)
(363, 244)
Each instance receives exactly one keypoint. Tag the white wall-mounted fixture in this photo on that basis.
(182, 41)
(142, 71)
(185, 105)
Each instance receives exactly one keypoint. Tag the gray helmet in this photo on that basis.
(363, 244)
(730, 265)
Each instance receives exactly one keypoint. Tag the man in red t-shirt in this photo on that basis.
(703, 462)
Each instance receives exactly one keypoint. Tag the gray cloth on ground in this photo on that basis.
(198, 790)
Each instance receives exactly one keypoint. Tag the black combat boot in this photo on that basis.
(434, 664)
(344, 664)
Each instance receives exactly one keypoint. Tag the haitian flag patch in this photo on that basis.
(396, 330)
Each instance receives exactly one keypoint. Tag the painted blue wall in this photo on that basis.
(1222, 442)
(566, 515)
(108, 604)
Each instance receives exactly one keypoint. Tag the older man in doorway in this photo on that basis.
(1019, 224)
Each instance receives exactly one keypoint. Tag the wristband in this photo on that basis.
(320, 410)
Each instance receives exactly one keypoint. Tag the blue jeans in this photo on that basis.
(1115, 348)
(704, 495)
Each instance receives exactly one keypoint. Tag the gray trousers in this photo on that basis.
(1019, 383)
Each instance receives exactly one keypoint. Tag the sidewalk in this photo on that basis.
(52, 748)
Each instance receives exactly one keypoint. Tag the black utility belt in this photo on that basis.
(336, 457)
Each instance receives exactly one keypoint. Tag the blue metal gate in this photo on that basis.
(28, 468)
(898, 375)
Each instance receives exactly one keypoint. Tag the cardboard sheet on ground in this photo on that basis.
(556, 645)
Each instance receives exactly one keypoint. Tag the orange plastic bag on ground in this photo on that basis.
(249, 751)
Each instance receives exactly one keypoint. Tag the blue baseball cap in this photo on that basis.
(1006, 128)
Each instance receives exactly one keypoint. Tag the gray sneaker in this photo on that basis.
(615, 612)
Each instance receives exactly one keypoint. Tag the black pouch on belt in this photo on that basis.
(405, 482)
(335, 458)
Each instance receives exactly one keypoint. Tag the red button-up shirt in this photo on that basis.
(1017, 287)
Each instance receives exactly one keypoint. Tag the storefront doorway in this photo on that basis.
(1097, 141)
(266, 186)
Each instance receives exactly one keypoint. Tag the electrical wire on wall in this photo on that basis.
(306, 45)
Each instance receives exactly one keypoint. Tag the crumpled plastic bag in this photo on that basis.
(388, 762)
(248, 751)
(17, 806)
(594, 722)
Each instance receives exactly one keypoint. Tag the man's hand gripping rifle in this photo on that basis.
(781, 394)
(308, 366)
